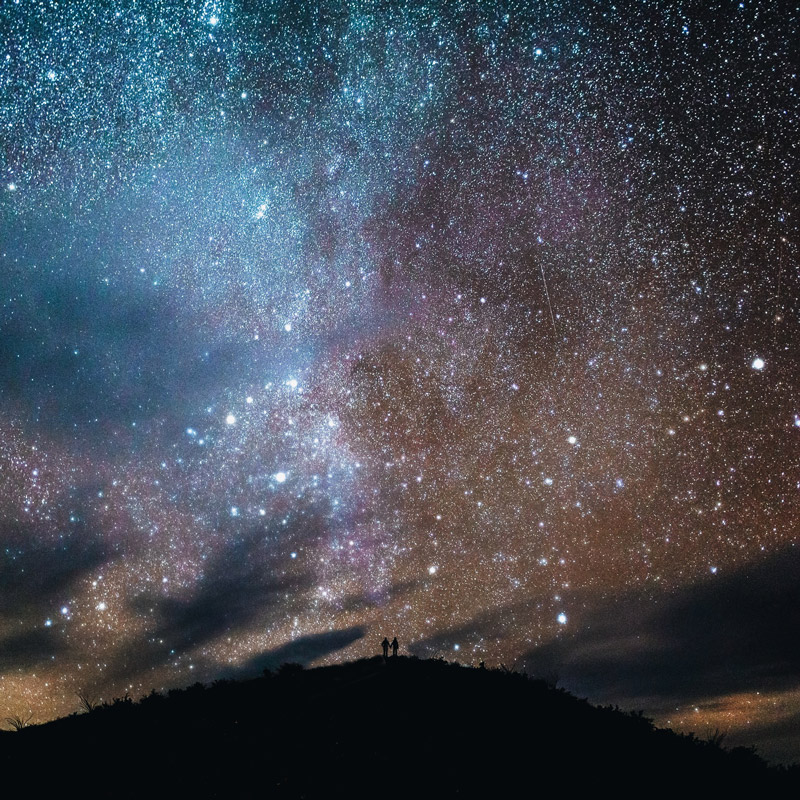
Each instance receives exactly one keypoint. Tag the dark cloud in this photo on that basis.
(490, 625)
(29, 649)
(74, 352)
(730, 633)
(35, 573)
(226, 604)
(303, 650)
(238, 589)
(376, 599)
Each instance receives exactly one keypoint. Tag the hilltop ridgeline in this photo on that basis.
(383, 727)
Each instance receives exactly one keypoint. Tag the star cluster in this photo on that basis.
(325, 321)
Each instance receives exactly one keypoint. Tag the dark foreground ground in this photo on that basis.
(400, 727)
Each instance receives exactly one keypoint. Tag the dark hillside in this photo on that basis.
(399, 727)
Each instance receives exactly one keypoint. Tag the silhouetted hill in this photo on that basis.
(400, 727)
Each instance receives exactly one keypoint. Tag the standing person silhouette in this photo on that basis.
(385, 646)
(394, 646)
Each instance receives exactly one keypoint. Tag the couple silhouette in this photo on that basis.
(385, 645)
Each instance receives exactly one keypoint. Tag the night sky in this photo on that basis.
(475, 324)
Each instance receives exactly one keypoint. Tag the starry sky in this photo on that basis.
(472, 323)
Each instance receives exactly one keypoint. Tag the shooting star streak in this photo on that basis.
(549, 304)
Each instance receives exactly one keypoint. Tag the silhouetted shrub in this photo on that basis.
(119, 701)
(18, 723)
(87, 701)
